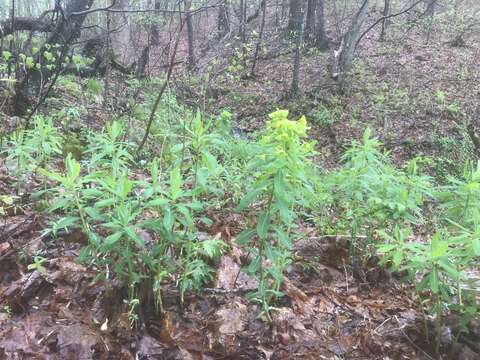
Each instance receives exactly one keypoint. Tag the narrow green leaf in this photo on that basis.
(168, 219)
(476, 247)
(450, 270)
(159, 202)
(245, 236)
(113, 239)
(175, 183)
(133, 235)
(248, 198)
(254, 266)
(263, 224)
(283, 238)
(434, 283)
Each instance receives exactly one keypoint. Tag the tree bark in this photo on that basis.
(191, 61)
(260, 38)
(385, 21)
(343, 57)
(321, 40)
(121, 38)
(68, 28)
(298, 33)
(64, 33)
(26, 24)
(154, 30)
(310, 25)
(223, 24)
(430, 7)
(295, 16)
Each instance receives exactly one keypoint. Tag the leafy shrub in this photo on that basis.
(370, 194)
(280, 186)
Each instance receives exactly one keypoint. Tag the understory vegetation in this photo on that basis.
(239, 179)
(143, 214)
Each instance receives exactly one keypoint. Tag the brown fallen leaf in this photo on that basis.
(230, 318)
(229, 276)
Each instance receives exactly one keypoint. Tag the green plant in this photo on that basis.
(110, 208)
(324, 116)
(68, 116)
(7, 309)
(68, 194)
(94, 87)
(437, 268)
(280, 186)
(45, 139)
(453, 109)
(370, 194)
(20, 156)
(37, 264)
(7, 202)
(460, 199)
(109, 150)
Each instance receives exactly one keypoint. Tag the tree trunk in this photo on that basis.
(320, 35)
(223, 24)
(310, 25)
(298, 33)
(65, 31)
(121, 37)
(107, 56)
(295, 16)
(430, 12)
(243, 31)
(430, 7)
(154, 30)
(191, 61)
(385, 22)
(260, 38)
(68, 28)
(343, 57)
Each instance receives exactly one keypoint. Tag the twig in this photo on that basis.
(162, 89)
(412, 342)
(385, 18)
(89, 11)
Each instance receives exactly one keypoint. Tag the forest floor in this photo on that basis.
(329, 311)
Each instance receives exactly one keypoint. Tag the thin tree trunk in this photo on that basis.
(243, 31)
(343, 57)
(122, 37)
(295, 15)
(260, 38)
(162, 89)
(386, 21)
(108, 55)
(430, 12)
(223, 24)
(320, 35)
(154, 30)
(241, 21)
(310, 25)
(430, 9)
(299, 33)
(191, 61)
(284, 8)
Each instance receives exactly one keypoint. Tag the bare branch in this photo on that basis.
(163, 88)
(26, 24)
(89, 11)
(385, 18)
